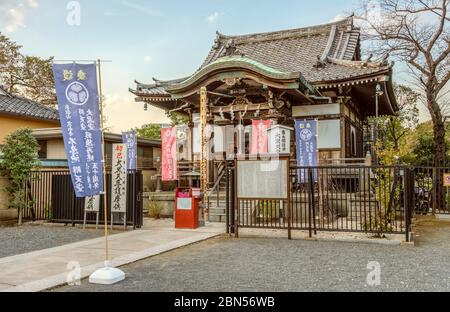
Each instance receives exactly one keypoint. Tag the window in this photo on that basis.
(42, 154)
(353, 140)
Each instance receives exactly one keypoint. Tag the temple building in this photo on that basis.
(307, 73)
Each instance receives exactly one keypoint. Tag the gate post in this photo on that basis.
(289, 206)
(409, 201)
(435, 190)
(227, 197)
(311, 200)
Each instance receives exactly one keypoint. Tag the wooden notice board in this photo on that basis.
(262, 179)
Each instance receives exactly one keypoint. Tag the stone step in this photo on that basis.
(219, 219)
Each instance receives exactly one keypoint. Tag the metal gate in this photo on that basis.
(366, 199)
(431, 196)
(50, 196)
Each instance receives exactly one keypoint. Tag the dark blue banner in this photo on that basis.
(130, 140)
(306, 142)
(77, 92)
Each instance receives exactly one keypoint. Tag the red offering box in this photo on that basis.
(186, 209)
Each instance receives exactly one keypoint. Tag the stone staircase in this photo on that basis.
(218, 202)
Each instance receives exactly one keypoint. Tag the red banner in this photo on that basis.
(260, 138)
(169, 154)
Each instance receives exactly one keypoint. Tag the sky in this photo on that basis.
(144, 39)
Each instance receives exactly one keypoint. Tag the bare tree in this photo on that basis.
(417, 33)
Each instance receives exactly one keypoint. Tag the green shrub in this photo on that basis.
(19, 156)
(154, 210)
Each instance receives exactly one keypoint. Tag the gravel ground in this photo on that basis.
(27, 238)
(254, 264)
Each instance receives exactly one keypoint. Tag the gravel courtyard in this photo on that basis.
(257, 264)
(27, 238)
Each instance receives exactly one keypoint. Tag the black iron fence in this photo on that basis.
(378, 200)
(49, 196)
(431, 195)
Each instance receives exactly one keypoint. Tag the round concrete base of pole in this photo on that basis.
(107, 275)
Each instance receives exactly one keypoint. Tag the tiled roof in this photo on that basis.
(15, 105)
(323, 53)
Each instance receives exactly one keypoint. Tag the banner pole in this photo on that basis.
(105, 199)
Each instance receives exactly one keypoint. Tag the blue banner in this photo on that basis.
(306, 142)
(130, 140)
(77, 92)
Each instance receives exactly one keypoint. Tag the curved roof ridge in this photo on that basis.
(348, 21)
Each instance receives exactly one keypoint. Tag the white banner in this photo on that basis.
(92, 203)
(119, 178)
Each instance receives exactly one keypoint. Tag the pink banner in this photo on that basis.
(169, 154)
(260, 138)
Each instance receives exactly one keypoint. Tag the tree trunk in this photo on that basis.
(440, 151)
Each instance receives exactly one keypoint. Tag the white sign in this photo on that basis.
(280, 139)
(92, 203)
(119, 178)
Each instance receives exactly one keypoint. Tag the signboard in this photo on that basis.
(258, 179)
(92, 204)
(169, 154)
(130, 139)
(279, 140)
(119, 179)
(446, 180)
(77, 93)
(260, 139)
(306, 142)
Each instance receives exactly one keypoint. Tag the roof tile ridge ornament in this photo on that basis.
(231, 49)
(288, 33)
(361, 64)
(321, 63)
(4, 92)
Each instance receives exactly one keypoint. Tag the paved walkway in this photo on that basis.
(276, 264)
(48, 268)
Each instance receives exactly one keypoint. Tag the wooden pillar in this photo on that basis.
(204, 150)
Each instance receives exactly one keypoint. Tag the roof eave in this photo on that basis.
(29, 117)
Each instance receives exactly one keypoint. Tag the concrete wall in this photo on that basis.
(166, 200)
(9, 124)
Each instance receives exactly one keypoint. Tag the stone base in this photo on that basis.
(107, 275)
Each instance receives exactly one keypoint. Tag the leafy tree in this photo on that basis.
(28, 76)
(19, 157)
(150, 131)
(153, 131)
(417, 34)
(407, 117)
(421, 145)
(394, 129)
(178, 119)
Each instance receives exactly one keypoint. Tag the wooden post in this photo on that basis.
(204, 150)
(105, 200)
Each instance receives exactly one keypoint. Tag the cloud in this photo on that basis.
(148, 59)
(213, 17)
(15, 14)
(33, 3)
